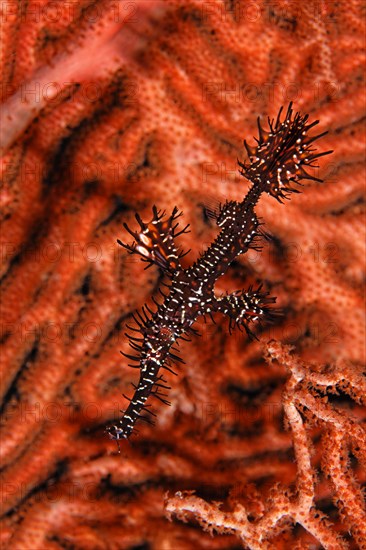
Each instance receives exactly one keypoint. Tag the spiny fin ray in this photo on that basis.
(155, 241)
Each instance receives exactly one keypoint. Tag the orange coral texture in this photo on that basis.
(107, 109)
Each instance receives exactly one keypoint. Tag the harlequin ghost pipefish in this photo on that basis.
(276, 163)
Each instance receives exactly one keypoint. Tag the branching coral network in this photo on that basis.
(109, 108)
(341, 435)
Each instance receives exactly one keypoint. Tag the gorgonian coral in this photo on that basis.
(107, 109)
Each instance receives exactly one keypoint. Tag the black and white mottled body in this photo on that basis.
(275, 164)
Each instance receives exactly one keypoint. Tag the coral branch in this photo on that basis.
(283, 508)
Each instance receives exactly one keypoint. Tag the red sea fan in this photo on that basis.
(107, 109)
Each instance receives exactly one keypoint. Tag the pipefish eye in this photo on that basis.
(114, 432)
